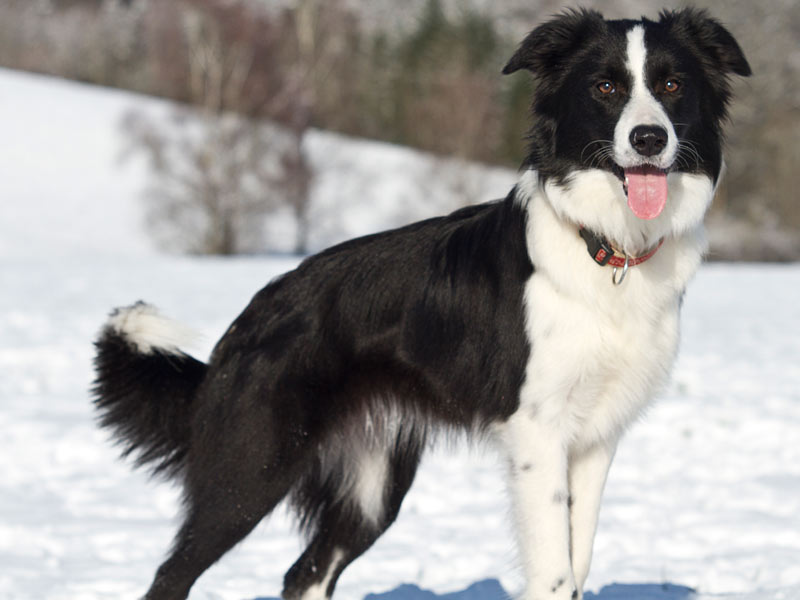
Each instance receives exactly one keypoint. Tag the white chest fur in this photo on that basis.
(599, 351)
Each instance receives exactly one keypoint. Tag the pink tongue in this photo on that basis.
(647, 191)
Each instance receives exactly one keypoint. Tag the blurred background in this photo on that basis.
(250, 80)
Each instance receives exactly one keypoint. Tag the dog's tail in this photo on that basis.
(145, 386)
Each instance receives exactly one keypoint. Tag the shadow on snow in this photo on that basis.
(490, 589)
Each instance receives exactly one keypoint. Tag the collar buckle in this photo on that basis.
(599, 248)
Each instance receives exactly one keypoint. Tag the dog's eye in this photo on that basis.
(606, 87)
(671, 86)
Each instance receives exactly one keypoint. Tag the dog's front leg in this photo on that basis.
(587, 477)
(540, 493)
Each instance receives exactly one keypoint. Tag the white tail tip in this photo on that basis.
(149, 331)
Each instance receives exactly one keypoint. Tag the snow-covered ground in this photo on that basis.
(704, 493)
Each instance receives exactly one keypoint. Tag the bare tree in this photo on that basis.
(212, 177)
(236, 154)
(273, 72)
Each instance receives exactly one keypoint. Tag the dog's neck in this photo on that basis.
(557, 249)
(595, 199)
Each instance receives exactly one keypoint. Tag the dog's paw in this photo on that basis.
(561, 588)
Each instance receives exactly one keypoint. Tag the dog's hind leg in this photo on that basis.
(232, 489)
(345, 523)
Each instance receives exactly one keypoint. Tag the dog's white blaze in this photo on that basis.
(149, 331)
(319, 591)
(642, 109)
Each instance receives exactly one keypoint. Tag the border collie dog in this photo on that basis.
(495, 320)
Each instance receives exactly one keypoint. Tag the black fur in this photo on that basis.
(146, 399)
(425, 321)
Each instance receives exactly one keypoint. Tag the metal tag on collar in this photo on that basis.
(624, 272)
(599, 248)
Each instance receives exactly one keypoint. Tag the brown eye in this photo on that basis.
(606, 87)
(672, 85)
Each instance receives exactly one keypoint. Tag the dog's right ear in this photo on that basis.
(547, 47)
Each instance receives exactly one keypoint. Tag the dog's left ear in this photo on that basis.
(716, 44)
(547, 47)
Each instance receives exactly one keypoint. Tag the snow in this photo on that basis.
(704, 493)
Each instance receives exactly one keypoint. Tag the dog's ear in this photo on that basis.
(547, 47)
(717, 46)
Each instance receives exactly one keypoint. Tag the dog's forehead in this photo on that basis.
(621, 27)
(611, 40)
(653, 41)
(605, 52)
(619, 30)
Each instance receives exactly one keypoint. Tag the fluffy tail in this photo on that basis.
(145, 386)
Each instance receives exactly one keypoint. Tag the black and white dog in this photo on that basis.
(494, 320)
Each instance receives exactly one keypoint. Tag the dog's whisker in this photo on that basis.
(688, 153)
(599, 155)
(604, 144)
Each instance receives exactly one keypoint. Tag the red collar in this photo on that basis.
(603, 253)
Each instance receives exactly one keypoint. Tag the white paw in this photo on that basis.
(559, 588)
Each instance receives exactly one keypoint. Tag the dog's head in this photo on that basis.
(637, 100)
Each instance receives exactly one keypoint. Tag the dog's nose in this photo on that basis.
(649, 140)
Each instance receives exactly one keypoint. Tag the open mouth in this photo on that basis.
(646, 189)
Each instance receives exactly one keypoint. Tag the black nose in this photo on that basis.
(649, 140)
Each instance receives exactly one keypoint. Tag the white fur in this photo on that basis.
(642, 109)
(595, 199)
(358, 461)
(358, 467)
(370, 483)
(319, 591)
(599, 353)
(539, 492)
(149, 331)
(587, 478)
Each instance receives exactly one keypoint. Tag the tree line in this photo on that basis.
(434, 85)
